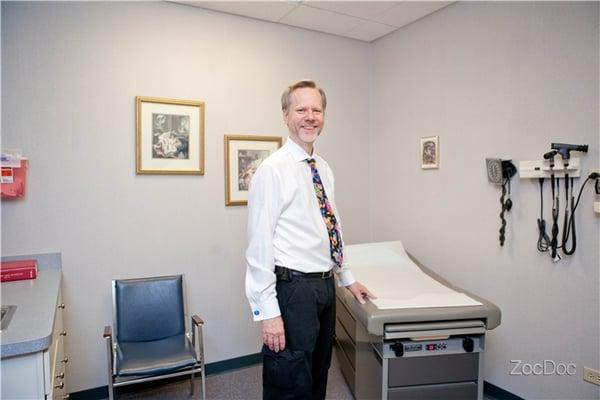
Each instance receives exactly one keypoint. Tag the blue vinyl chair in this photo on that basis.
(149, 341)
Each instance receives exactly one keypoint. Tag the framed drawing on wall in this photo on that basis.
(243, 155)
(169, 136)
(430, 152)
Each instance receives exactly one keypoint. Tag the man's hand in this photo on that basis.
(360, 292)
(273, 334)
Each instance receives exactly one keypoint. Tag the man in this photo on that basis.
(294, 246)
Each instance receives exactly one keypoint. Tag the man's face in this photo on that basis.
(305, 116)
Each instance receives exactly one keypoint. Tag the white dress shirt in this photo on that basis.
(285, 226)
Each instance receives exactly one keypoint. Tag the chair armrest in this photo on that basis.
(108, 338)
(197, 337)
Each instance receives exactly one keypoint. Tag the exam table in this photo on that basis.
(422, 338)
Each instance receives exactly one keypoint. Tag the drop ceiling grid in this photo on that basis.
(361, 20)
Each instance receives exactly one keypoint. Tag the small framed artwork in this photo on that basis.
(243, 155)
(169, 136)
(430, 152)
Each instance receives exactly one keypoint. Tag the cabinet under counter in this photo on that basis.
(32, 353)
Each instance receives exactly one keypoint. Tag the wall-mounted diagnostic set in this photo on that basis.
(557, 164)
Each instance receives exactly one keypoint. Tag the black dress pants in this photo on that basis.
(300, 371)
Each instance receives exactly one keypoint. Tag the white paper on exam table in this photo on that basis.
(387, 271)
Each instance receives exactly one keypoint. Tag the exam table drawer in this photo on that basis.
(347, 371)
(347, 346)
(346, 319)
(433, 369)
(451, 391)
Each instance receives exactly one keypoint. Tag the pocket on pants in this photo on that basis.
(286, 369)
(286, 291)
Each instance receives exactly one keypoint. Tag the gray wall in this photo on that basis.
(494, 80)
(491, 79)
(70, 74)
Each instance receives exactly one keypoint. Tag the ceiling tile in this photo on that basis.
(363, 20)
(359, 9)
(266, 10)
(408, 11)
(369, 31)
(320, 20)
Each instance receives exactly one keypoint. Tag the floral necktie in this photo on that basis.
(333, 228)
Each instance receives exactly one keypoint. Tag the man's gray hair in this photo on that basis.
(305, 83)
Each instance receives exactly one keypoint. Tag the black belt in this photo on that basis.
(285, 274)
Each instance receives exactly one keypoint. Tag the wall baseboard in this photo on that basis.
(498, 393)
(100, 393)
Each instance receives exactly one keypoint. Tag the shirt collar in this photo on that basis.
(298, 152)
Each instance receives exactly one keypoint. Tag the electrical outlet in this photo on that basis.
(591, 375)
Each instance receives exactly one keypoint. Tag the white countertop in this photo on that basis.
(31, 326)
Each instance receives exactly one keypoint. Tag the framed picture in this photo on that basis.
(169, 136)
(430, 152)
(243, 155)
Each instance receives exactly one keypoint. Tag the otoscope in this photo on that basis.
(564, 150)
(554, 242)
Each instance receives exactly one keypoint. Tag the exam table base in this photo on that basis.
(371, 376)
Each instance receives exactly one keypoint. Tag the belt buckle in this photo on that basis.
(326, 275)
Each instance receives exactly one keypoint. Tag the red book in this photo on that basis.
(18, 270)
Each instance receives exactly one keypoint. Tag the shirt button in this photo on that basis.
(256, 312)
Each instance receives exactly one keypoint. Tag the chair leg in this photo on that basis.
(111, 390)
(200, 353)
(192, 384)
(203, 382)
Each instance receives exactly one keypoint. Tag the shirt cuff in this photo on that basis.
(266, 310)
(345, 277)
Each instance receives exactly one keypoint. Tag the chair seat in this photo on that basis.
(155, 357)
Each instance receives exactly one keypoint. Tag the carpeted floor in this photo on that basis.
(241, 384)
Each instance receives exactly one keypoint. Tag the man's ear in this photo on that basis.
(284, 115)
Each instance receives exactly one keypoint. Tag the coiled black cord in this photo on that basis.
(506, 206)
(555, 205)
(543, 243)
(569, 221)
(503, 224)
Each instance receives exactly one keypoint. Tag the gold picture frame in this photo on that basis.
(430, 152)
(243, 154)
(169, 136)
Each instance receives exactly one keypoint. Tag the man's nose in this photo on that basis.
(310, 115)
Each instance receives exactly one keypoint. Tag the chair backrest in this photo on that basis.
(148, 308)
